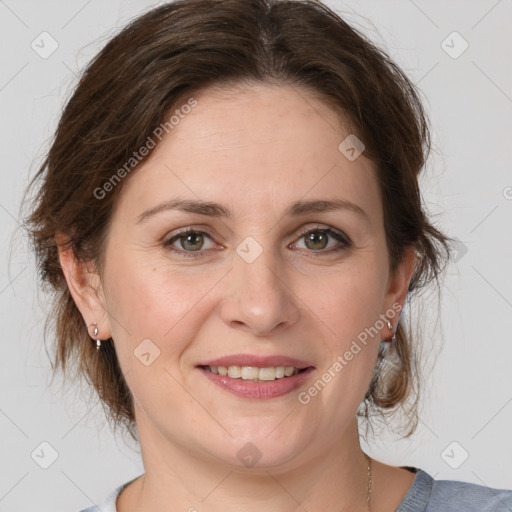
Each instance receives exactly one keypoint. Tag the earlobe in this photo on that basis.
(85, 286)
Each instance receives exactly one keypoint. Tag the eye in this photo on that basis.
(189, 240)
(317, 240)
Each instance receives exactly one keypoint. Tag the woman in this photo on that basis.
(230, 212)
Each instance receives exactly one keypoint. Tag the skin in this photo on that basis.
(256, 150)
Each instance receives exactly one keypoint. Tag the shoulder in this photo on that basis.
(108, 504)
(469, 497)
(429, 495)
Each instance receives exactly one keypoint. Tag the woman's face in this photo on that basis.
(251, 284)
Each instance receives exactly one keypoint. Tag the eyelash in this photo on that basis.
(340, 237)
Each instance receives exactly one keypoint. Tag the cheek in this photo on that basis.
(148, 302)
(152, 303)
(159, 313)
(348, 307)
(349, 301)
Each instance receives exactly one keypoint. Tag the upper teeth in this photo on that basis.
(254, 373)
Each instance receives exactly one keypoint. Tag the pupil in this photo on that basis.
(313, 237)
(190, 237)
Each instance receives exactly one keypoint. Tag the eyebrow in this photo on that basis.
(212, 209)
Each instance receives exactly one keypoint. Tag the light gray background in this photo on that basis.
(467, 396)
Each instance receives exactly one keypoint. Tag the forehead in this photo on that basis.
(254, 147)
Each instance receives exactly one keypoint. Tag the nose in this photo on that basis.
(260, 299)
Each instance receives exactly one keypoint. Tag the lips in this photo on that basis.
(258, 361)
(257, 389)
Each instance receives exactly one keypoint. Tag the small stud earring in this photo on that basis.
(390, 327)
(95, 333)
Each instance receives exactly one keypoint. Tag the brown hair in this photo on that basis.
(180, 48)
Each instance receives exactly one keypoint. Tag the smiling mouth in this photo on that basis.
(255, 373)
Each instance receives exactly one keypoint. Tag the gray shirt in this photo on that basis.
(429, 495)
(424, 495)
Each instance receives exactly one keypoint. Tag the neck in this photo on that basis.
(336, 478)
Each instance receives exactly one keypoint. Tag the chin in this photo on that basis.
(260, 448)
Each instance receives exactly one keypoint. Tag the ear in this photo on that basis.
(85, 287)
(397, 288)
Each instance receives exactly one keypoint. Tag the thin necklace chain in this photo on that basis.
(370, 480)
